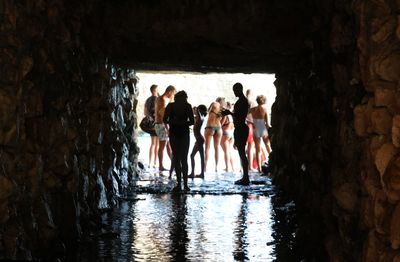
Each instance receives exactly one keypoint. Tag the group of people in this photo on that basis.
(226, 125)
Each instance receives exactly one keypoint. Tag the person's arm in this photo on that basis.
(226, 112)
(266, 119)
(146, 112)
(190, 115)
(167, 113)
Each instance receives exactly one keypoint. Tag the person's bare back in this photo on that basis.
(161, 104)
(259, 111)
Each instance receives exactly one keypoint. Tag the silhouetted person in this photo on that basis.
(179, 116)
(200, 113)
(149, 110)
(241, 132)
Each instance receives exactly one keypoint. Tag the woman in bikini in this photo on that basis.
(261, 126)
(213, 131)
(227, 138)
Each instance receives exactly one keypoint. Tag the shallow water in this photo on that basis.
(215, 221)
(187, 228)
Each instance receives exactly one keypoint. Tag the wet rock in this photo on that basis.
(371, 250)
(395, 228)
(26, 66)
(346, 196)
(384, 154)
(398, 28)
(361, 122)
(384, 29)
(380, 212)
(385, 97)
(381, 121)
(6, 188)
(396, 131)
(389, 68)
(393, 175)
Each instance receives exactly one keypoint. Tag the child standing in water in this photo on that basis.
(199, 114)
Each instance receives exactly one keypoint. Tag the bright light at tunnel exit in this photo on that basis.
(205, 88)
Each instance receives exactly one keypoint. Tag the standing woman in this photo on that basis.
(179, 116)
(261, 126)
(227, 139)
(213, 131)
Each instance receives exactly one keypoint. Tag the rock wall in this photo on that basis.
(376, 121)
(316, 152)
(65, 128)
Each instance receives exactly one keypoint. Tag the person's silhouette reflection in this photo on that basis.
(240, 252)
(178, 235)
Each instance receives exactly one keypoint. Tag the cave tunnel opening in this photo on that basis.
(204, 88)
(69, 148)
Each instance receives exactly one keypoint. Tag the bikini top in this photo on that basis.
(217, 114)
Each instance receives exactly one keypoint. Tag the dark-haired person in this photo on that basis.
(241, 132)
(179, 116)
(261, 126)
(160, 127)
(199, 114)
(149, 110)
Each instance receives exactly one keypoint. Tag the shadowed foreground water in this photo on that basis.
(215, 221)
(187, 228)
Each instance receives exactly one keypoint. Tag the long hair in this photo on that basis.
(181, 97)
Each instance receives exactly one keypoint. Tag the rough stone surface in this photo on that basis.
(67, 129)
(67, 121)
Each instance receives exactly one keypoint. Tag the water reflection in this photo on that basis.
(178, 228)
(240, 252)
(185, 228)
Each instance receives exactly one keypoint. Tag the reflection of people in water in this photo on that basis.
(200, 113)
(179, 234)
(179, 116)
(240, 252)
(241, 132)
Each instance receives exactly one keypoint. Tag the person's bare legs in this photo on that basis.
(153, 151)
(225, 147)
(217, 140)
(192, 155)
(201, 152)
(161, 148)
(156, 152)
(230, 148)
(257, 143)
(250, 154)
(266, 143)
(208, 134)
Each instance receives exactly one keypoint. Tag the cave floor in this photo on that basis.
(215, 221)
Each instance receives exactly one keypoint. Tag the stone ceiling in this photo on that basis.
(222, 35)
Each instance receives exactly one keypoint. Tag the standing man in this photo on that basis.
(160, 127)
(149, 110)
(241, 131)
